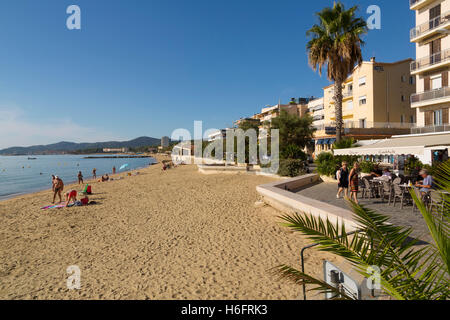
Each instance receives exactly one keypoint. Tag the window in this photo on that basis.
(402, 119)
(362, 81)
(412, 80)
(412, 120)
(362, 123)
(362, 100)
(436, 82)
(350, 105)
(403, 98)
(403, 78)
(437, 117)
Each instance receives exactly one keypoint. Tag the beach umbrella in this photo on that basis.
(123, 166)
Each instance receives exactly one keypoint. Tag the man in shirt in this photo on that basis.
(427, 183)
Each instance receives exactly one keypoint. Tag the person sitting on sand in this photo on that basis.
(80, 178)
(71, 196)
(105, 178)
(58, 187)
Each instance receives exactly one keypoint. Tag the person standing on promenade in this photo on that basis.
(354, 182)
(94, 173)
(80, 178)
(58, 187)
(342, 177)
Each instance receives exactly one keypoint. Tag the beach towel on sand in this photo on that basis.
(55, 206)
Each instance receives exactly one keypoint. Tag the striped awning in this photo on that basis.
(400, 145)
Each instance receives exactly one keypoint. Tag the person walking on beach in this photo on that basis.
(354, 182)
(342, 177)
(94, 173)
(114, 170)
(58, 187)
(80, 178)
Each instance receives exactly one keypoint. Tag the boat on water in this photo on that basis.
(29, 158)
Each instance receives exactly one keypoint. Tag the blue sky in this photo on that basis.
(147, 67)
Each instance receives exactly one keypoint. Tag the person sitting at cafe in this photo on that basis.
(376, 173)
(427, 183)
(387, 173)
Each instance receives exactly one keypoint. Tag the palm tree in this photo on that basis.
(406, 272)
(336, 44)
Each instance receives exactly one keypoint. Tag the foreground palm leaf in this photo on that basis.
(407, 272)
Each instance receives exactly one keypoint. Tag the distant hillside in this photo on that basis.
(61, 147)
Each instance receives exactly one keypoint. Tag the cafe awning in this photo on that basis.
(400, 145)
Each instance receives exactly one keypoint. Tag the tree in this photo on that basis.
(248, 124)
(336, 44)
(406, 273)
(293, 130)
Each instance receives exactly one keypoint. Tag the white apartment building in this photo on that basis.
(316, 109)
(431, 67)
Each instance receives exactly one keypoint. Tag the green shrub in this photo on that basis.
(412, 164)
(327, 164)
(293, 151)
(344, 144)
(366, 166)
(291, 168)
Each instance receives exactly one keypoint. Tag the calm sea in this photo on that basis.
(18, 175)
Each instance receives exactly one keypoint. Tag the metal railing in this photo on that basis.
(429, 61)
(431, 95)
(431, 129)
(368, 125)
(430, 25)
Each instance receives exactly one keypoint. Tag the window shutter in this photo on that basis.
(445, 116)
(427, 83)
(428, 118)
(445, 79)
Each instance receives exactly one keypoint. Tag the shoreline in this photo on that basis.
(69, 183)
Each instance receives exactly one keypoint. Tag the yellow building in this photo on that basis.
(375, 105)
(431, 67)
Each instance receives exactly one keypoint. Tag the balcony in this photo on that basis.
(435, 61)
(345, 96)
(431, 129)
(359, 129)
(429, 98)
(430, 28)
(419, 4)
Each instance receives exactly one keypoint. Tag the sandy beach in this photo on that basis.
(158, 235)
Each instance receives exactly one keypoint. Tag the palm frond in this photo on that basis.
(297, 277)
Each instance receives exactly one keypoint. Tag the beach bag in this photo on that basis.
(85, 201)
(89, 189)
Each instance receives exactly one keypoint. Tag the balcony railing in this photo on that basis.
(431, 129)
(430, 25)
(369, 125)
(431, 95)
(317, 108)
(429, 61)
